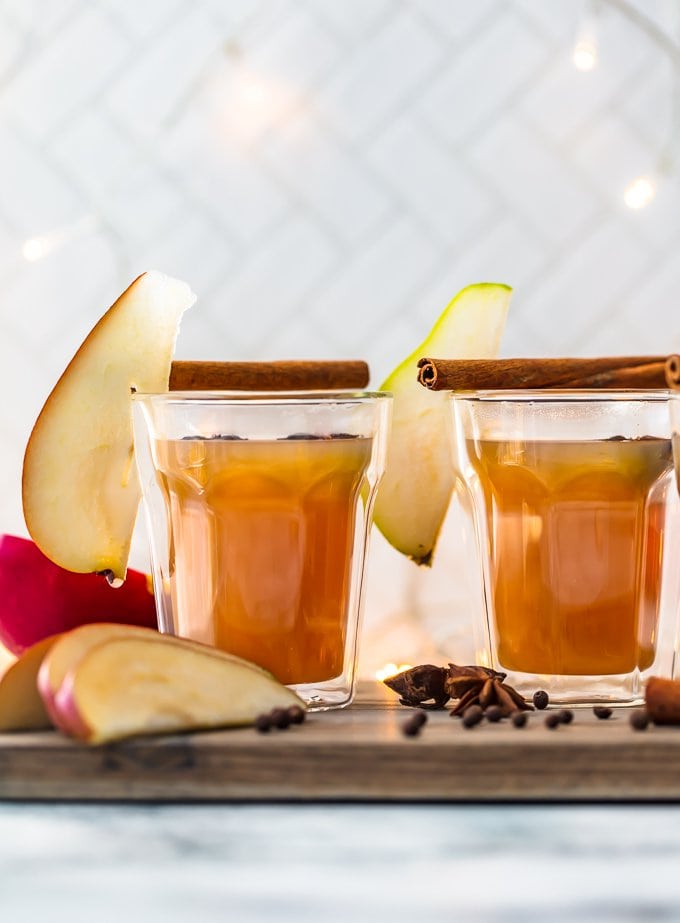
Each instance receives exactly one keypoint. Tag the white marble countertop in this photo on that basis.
(327, 863)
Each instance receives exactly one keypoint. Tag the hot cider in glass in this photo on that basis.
(575, 537)
(263, 533)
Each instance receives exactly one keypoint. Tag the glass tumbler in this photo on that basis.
(576, 525)
(259, 508)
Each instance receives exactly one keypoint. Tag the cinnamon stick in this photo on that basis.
(662, 698)
(512, 374)
(673, 372)
(296, 375)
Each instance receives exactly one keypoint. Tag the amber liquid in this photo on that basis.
(575, 538)
(262, 537)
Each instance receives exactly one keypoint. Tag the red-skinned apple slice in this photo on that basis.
(64, 657)
(21, 706)
(38, 598)
(80, 488)
(130, 686)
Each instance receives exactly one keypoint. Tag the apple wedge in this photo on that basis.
(80, 488)
(130, 686)
(416, 488)
(63, 657)
(38, 598)
(21, 706)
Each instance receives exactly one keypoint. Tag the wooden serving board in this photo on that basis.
(358, 754)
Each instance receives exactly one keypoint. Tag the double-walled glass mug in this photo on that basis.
(259, 508)
(576, 521)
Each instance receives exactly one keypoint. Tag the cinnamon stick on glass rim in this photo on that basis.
(517, 374)
(673, 372)
(294, 375)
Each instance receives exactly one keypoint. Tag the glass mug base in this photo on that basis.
(325, 696)
(581, 691)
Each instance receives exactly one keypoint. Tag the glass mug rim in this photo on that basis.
(566, 396)
(261, 398)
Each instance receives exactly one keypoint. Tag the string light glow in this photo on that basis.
(37, 248)
(584, 56)
(639, 192)
(391, 669)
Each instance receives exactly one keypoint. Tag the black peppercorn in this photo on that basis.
(411, 728)
(296, 714)
(602, 712)
(263, 723)
(419, 717)
(541, 699)
(280, 718)
(493, 713)
(565, 715)
(639, 720)
(472, 716)
(552, 720)
(519, 719)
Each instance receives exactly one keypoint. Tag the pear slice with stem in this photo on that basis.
(80, 488)
(416, 488)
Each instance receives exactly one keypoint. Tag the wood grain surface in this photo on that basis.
(358, 754)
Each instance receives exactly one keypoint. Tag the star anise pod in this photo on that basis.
(481, 686)
(421, 687)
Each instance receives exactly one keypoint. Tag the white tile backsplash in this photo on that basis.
(357, 303)
(381, 75)
(535, 180)
(326, 176)
(36, 197)
(297, 255)
(443, 193)
(483, 74)
(68, 73)
(328, 179)
(181, 53)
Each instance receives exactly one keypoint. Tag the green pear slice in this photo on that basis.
(416, 488)
(80, 489)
